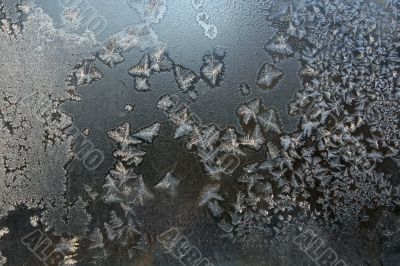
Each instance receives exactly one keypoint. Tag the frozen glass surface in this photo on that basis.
(199, 132)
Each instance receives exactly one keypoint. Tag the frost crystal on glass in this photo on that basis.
(268, 76)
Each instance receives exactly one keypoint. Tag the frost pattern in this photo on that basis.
(125, 190)
(12, 14)
(139, 36)
(330, 170)
(33, 128)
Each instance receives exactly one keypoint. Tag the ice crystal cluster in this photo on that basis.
(125, 188)
(122, 184)
(140, 36)
(214, 146)
(155, 62)
(331, 168)
(124, 192)
(137, 36)
(336, 170)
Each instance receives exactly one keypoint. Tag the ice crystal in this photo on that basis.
(182, 120)
(122, 135)
(230, 142)
(239, 203)
(208, 193)
(142, 84)
(68, 245)
(148, 134)
(129, 108)
(119, 232)
(269, 121)
(279, 46)
(142, 69)
(249, 111)
(215, 209)
(169, 184)
(212, 70)
(96, 239)
(86, 73)
(141, 192)
(254, 140)
(268, 76)
(154, 10)
(185, 78)
(3, 260)
(202, 18)
(127, 153)
(139, 36)
(214, 170)
(130, 155)
(157, 61)
(86, 131)
(308, 128)
(166, 103)
(110, 54)
(123, 186)
(203, 138)
(160, 61)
